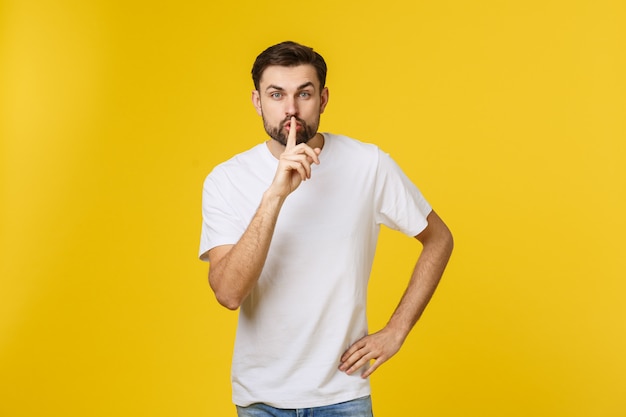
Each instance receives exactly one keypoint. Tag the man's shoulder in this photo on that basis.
(350, 144)
(251, 153)
(242, 159)
(239, 167)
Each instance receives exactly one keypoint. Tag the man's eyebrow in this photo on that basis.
(274, 87)
(305, 85)
(279, 88)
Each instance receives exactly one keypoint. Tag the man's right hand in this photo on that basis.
(294, 165)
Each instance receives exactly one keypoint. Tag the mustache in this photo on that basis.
(288, 120)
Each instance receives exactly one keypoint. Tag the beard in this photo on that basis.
(303, 136)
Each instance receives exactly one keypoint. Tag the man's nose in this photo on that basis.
(291, 107)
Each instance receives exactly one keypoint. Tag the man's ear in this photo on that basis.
(256, 102)
(324, 99)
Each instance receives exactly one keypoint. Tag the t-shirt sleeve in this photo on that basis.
(220, 224)
(399, 203)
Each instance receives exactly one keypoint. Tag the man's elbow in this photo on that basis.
(448, 240)
(228, 302)
(444, 240)
(226, 298)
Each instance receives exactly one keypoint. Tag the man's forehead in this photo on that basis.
(291, 77)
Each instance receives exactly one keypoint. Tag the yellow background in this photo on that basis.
(509, 115)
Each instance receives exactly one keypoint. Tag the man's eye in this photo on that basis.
(305, 94)
(276, 94)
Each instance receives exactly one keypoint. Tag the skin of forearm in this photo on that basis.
(233, 276)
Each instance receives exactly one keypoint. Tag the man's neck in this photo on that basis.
(276, 148)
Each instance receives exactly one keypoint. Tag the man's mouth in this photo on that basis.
(287, 126)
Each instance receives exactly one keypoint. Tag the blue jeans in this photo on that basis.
(361, 407)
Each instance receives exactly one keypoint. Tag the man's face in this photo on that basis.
(290, 91)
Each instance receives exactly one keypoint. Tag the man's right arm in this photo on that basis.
(235, 269)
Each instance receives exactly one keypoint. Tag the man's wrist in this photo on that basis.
(272, 199)
(400, 331)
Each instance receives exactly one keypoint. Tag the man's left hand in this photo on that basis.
(377, 347)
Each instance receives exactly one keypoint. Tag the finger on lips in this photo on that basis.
(293, 128)
(302, 153)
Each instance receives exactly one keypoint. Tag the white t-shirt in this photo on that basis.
(309, 304)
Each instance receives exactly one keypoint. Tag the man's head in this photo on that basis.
(289, 80)
(289, 54)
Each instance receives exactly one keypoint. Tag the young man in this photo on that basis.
(290, 229)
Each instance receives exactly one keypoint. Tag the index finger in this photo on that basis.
(291, 139)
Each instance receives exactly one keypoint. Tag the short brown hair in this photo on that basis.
(288, 54)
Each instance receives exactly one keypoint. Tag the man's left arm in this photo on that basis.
(380, 346)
